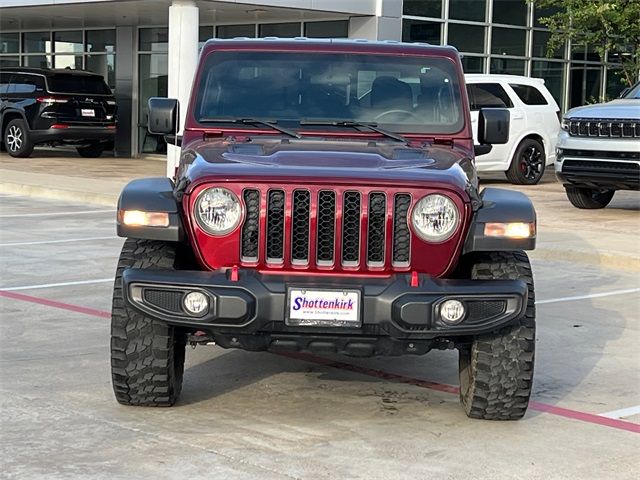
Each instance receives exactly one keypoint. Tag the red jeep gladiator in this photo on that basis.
(326, 201)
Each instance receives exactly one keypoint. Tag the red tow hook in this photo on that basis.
(415, 282)
(235, 276)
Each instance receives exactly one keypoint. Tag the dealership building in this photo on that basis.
(147, 48)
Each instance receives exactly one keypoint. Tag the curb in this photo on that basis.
(40, 191)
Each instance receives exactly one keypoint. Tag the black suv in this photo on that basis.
(55, 107)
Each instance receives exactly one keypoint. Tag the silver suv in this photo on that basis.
(599, 150)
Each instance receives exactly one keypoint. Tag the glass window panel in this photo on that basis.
(204, 34)
(584, 84)
(540, 40)
(488, 95)
(423, 8)
(68, 42)
(68, 61)
(615, 84)
(105, 65)
(539, 13)
(154, 40)
(467, 38)
(37, 61)
(473, 64)
(580, 51)
(512, 12)
(9, 61)
(9, 42)
(529, 94)
(507, 66)
(101, 41)
(334, 29)
(467, 10)
(153, 81)
(508, 41)
(26, 84)
(553, 74)
(279, 30)
(233, 31)
(4, 80)
(36, 42)
(419, 31)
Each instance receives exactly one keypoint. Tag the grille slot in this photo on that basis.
(326, 227)
(300, 227)
(168, 300)
(351, 229)
(251, 227)
(478, 311)
(401, 235)
(275, 226)
(376, 229)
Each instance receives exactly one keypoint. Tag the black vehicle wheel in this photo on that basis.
(496, 370)
(16, 139)
(91, 151)
(528, 163)
(147, 356)
(588, 198)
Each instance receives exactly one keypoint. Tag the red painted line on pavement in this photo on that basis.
(440, 387)
(55, 304)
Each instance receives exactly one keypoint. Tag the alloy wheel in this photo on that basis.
(14, 138)
(531, 163)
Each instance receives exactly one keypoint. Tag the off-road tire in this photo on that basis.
(496, 370)
(147, 356)
(16, 139)
(518, 172)
(588, 198)
(91, 151)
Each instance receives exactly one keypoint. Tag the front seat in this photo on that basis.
(389, 93)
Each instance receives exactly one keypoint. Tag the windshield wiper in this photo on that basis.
(350, 123)
(252, 121)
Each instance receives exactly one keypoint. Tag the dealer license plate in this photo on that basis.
(324, 308)
(88, 112)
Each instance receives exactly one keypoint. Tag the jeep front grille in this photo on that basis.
(592, 127)
(326, 228)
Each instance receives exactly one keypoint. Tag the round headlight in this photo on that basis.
(218, 211)
(435, 218)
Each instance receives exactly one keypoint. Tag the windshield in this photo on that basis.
(634, 92)
(400, 93)
(85, 84)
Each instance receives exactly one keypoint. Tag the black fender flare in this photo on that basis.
(12, 112)
(153, 194)
(500, 206)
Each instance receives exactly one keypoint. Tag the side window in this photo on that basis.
(26, 84)
(529, 95)
(4, 82)
(488, 95)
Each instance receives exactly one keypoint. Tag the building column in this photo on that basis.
(183, 61)
(125, 62)
(385, 25)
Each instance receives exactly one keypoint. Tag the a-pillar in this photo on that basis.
(183, 61)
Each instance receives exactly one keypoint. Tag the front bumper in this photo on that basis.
(598, 162)
(250, 311)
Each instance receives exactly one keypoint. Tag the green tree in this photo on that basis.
(604, 25)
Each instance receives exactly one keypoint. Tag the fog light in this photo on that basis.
(452, 311)
(196, 303)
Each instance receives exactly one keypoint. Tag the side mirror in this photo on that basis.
(163, 116)
(493, 126)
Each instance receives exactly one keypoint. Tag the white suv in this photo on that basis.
(535, 124)
(599, 150)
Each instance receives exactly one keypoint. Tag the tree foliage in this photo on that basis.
(605, 25)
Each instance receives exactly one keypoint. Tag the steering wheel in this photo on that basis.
(407, 114)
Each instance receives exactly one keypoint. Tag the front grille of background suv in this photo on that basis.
(593, 127)
(327, 228)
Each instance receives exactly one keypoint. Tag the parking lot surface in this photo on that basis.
(261, 415)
